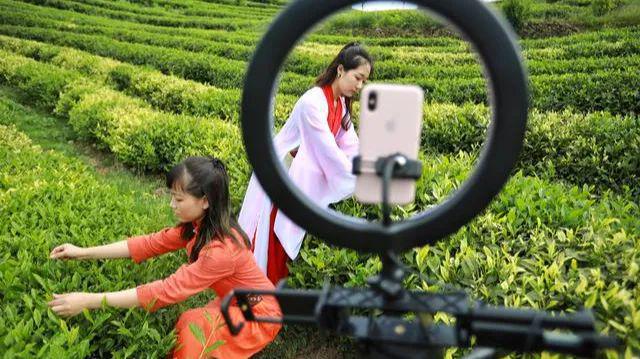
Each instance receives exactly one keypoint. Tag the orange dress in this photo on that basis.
(221, 266)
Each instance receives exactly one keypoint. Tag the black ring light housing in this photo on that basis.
(499, 52)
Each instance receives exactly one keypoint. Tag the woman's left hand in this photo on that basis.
(69, 304)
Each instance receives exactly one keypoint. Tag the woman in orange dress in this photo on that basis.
(219, 258)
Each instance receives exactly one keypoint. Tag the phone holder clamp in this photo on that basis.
(405, 168)
(393, 166)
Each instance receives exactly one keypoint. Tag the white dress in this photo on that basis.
(321, 169)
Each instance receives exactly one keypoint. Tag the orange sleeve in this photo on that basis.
(214, 262)
(150, 245)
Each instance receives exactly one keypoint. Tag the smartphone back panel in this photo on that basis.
(390, 122)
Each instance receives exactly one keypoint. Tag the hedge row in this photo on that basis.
(585, 92)
(599, 149)
(204, 23)
(264, 4)
(167, 93)
(43, 83)
(137, 135)
(141, 83)
(609, 35)
(78, 19)
(180, 96)
(204, 68)
(215, 12)
(594, 41)
(613, 91)
(247, 7)
(388, 66)
(570, 144)
(596, 149)
(604, 35)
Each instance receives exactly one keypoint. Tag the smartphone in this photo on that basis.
(390, 122)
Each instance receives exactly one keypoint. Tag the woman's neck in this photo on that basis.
(336, 90)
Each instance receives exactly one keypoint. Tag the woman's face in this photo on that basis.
(187, 207)
(351, 82)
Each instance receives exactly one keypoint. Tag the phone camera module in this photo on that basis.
(372, 101)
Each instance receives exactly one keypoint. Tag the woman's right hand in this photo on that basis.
(67, 251)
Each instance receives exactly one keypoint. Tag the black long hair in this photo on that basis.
(207, 176)
(350, 57)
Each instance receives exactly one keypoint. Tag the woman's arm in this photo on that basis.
(70, 304)
(113, 250)
(69, 251)
(330, 158)
(349, 143)
(138, 248)
(127, 298)
(214, 263)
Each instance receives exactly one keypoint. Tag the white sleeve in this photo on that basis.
(331, 159)
(349, 143)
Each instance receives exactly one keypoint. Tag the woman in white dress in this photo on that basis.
(320, 136)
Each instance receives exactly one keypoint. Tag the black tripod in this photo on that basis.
(389, 335)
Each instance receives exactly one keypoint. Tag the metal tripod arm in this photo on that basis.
(520, 330)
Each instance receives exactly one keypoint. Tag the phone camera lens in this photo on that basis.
(372, 101)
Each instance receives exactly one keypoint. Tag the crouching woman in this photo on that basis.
(219, 256)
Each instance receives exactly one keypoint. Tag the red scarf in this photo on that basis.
(335, 112)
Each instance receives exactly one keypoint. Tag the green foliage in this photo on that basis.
(539, 244)
(517, 12)
(392, 21)
(42, 82)
(597, 149)
(161, 19)
(601, 7)
(48, 199)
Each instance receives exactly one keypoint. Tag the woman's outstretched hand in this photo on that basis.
(67, 251)
(70, 304)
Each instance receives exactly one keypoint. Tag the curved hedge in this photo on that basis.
(615, 91)
(204, 68)
(597, 148)
(205, 23)
(580, 57)
(137, 135)
(167, 93)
